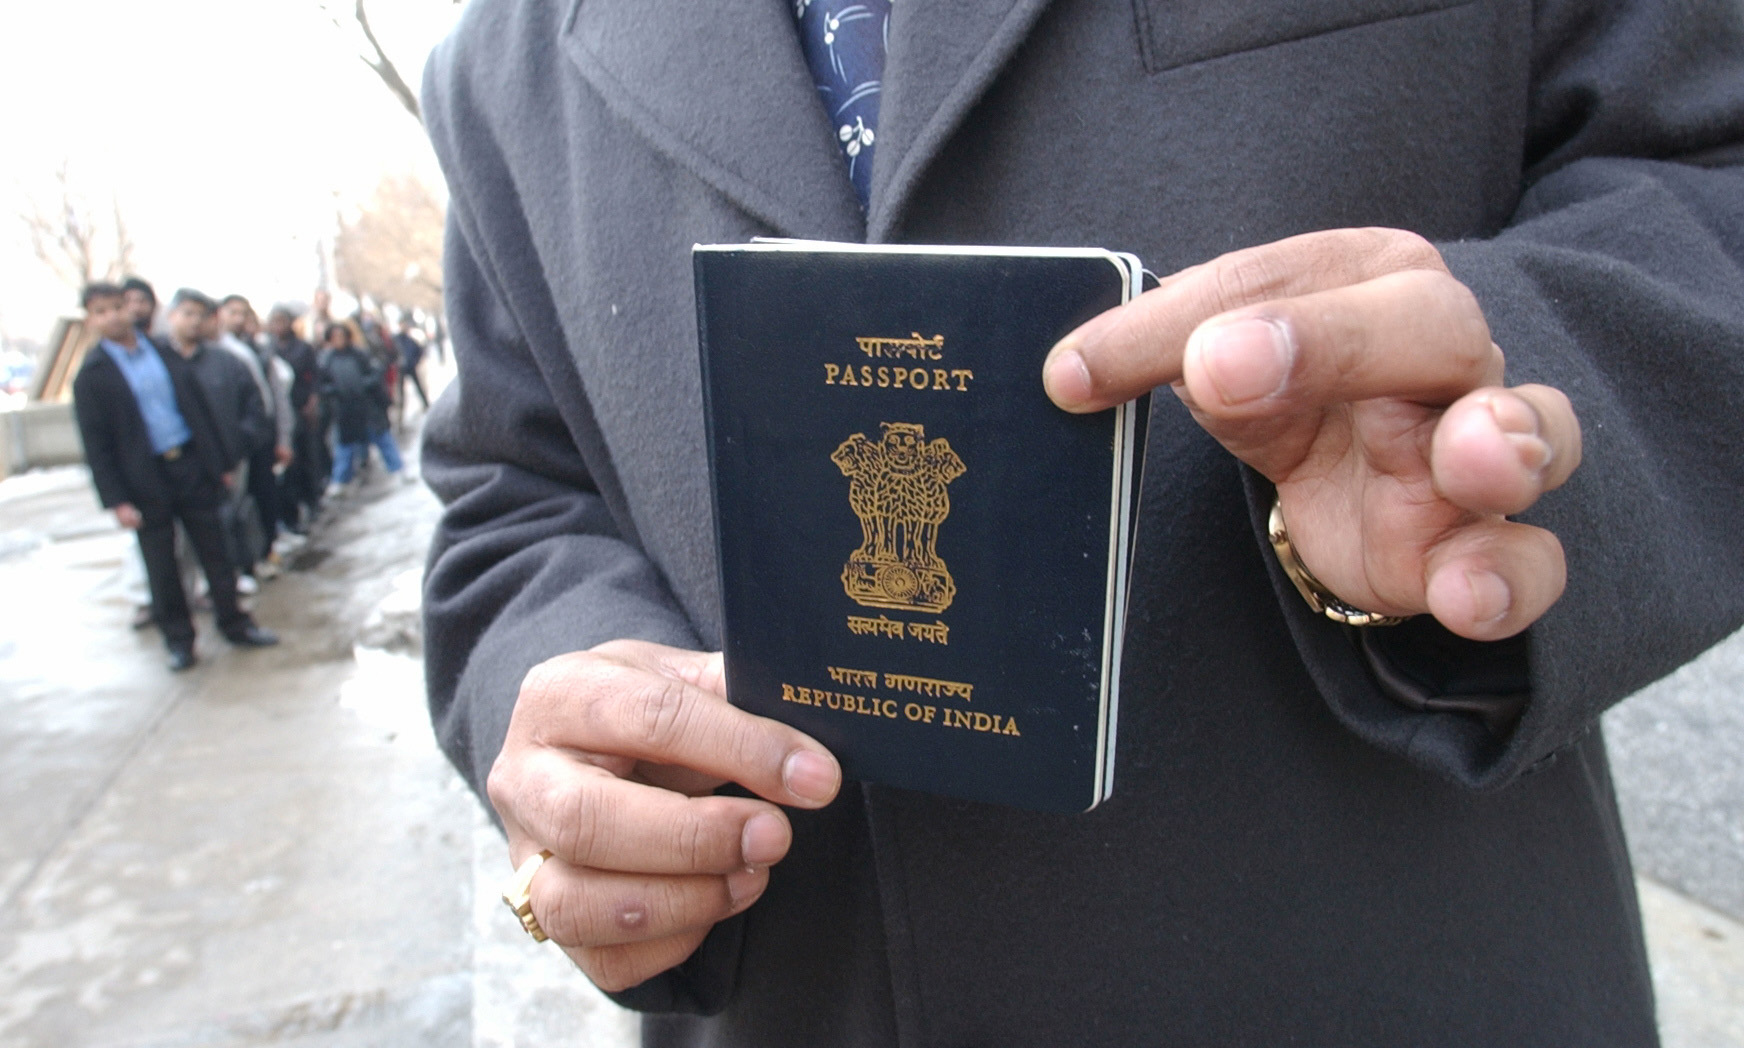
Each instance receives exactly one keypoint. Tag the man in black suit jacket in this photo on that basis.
(156, 457)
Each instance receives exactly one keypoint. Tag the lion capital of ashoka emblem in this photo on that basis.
(896, 487)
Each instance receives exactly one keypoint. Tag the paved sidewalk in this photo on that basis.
(271, 851)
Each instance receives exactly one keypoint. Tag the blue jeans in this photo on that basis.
(347, 456)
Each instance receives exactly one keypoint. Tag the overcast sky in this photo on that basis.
(230, 131)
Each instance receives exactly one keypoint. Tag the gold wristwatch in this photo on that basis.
(1321, 599)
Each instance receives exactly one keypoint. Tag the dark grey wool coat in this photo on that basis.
(1290, 856)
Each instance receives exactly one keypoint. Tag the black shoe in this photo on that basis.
(252, 637)
(182, 658)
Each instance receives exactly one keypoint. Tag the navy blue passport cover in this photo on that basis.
(922, 559)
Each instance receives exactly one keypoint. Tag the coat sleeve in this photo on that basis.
(97, 434)
(536, 554)
(1619, 280)
(529, 559)
(254, 425)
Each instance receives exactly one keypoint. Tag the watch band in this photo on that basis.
(1321, 599)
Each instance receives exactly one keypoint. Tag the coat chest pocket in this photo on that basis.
(1173, 33)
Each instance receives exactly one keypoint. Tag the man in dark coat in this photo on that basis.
(156, 457)
(230, 390)
(411, 355)
(304, 480)
(142, 306)
(1320, 834)
(237, 407)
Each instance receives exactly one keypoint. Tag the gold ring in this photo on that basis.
(518, 895)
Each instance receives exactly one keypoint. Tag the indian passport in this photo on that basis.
(923, 561)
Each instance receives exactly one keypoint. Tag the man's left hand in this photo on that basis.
(1353, 371)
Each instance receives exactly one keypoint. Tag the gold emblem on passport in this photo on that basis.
(896, 487)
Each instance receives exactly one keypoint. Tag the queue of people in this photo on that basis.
(241, 434)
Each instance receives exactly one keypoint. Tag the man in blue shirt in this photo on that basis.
(156, 458)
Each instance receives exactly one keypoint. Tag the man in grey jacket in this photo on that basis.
(1320, 833)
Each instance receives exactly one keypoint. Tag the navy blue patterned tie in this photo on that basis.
(844, 44)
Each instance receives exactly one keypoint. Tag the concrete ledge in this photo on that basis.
(39, 435)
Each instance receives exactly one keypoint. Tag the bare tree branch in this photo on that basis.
(68, 237)
(384, 68)
(381, 64)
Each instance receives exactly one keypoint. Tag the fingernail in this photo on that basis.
(1512, 414)
(1519, 424)
(1065, 376)
(1245, 359)
(743, 885)
(1490, 596)
(810, 776)
(763, 840)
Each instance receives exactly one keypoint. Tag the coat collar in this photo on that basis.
(722, 87)
(96, 356)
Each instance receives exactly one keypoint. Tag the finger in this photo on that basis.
(701, 669)
(1492, 579)
(1497, 450)
(1136, 347)
(617, 968)
(1417, 336)
(627, 711)
(579, 907)
(589, 817)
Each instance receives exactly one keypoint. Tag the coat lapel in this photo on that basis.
(942, 58)
(722, 87)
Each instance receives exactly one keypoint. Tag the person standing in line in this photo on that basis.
(141, 300)
(353, 388)
(156, 458)
(280, 539)
(439, 341)
(274, 450)
(141, 306)
(238, 410)
(411, 355)
(371, 335)
(303, 480)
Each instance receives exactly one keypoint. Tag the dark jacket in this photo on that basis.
(304, 369)
(352, 385)
(234, 397)
(117, 446)
(411, 351)
(1290, 856)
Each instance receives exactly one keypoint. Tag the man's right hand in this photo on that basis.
(610, 762)
(128, 516)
